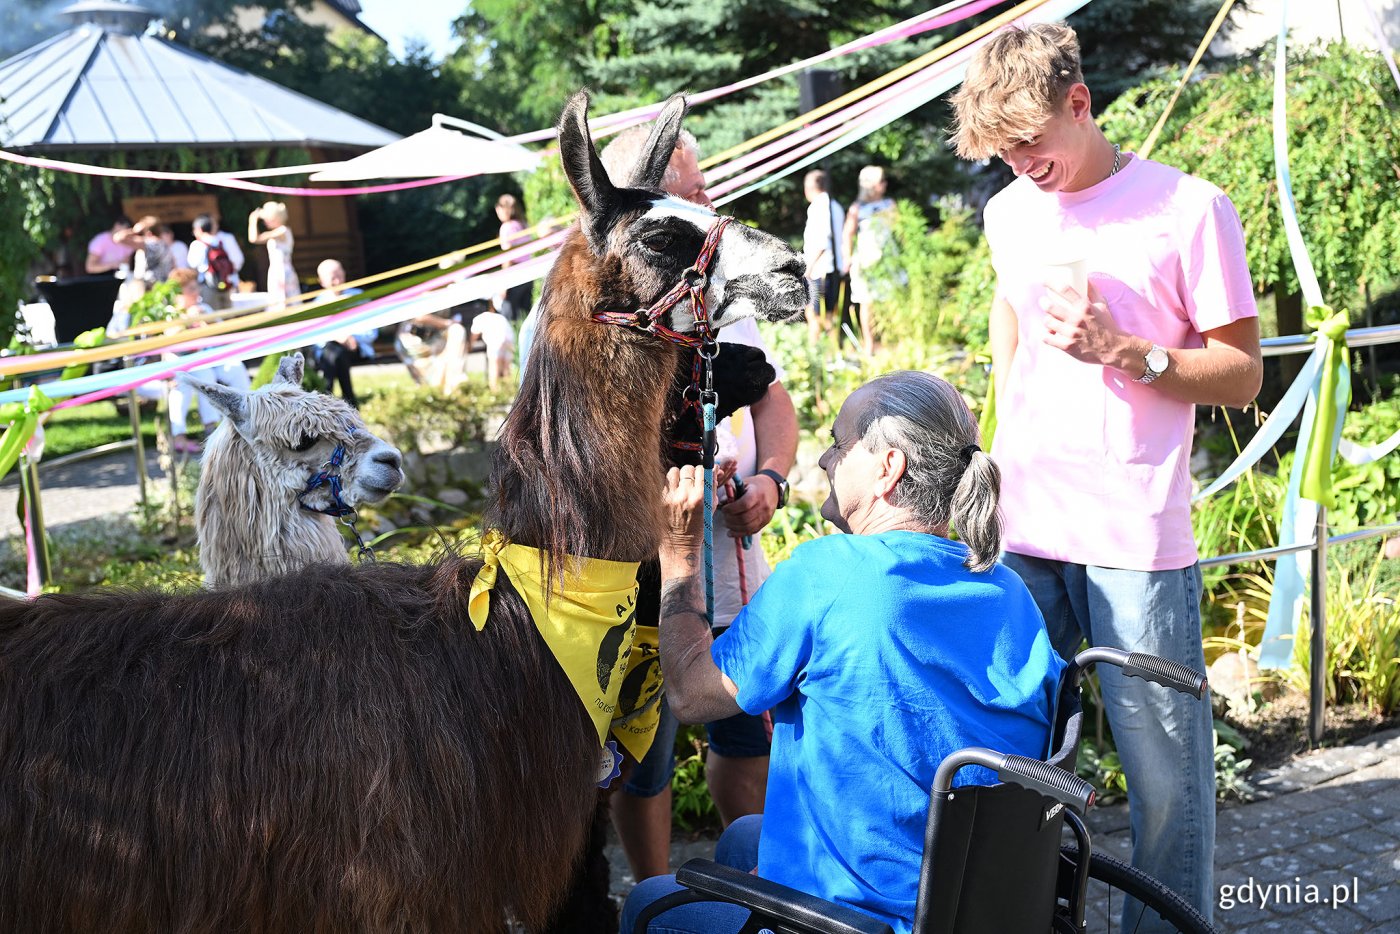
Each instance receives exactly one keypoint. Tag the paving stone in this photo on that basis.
(1369, 842)
(1339, 922)
(1380, 905)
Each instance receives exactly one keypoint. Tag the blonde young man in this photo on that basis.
(1096, 397)
(764, 440)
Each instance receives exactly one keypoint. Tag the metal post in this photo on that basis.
(1317, 706)
(134, 407)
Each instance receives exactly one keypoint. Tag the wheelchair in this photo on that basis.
(993, 859)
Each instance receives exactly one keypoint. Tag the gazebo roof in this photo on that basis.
(106, 85)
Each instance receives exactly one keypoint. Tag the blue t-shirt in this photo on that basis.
(879, 655)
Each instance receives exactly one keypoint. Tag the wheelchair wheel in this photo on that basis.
(1109, 877)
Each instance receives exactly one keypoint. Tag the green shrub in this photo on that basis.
(948, 280)
(422, 419)
(157, 304)
(1363, 638)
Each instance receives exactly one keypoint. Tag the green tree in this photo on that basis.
(1343, 137)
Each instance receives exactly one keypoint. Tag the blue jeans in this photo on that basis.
(737, 847)
(1166, 740)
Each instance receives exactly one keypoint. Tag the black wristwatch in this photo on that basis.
(782, 483)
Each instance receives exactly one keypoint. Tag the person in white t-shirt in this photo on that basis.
(821, 248)
(496, 333)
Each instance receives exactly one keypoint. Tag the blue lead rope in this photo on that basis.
(708, 460)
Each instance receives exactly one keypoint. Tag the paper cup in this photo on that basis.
(1072, 274)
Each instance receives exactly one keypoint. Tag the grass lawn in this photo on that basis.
(91, 425)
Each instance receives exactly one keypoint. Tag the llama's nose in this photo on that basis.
(389, 457)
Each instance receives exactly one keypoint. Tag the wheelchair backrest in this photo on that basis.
(993, 867)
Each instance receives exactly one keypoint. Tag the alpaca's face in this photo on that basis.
(295, 433)
(752, 275)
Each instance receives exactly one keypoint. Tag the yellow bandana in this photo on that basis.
(591, 628)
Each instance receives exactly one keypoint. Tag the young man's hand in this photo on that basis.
(1083, 327)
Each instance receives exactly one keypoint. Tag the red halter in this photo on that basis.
(692, 284)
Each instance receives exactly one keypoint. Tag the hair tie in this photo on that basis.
(965, 455)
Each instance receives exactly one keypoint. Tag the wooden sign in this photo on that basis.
(171, 209)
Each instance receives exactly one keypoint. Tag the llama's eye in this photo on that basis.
(657, 242)
(306, 443)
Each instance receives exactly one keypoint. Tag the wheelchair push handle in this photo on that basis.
(1042, 777)
(1148, 667)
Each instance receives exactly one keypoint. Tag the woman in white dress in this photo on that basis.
(282, 282)
(869, 235)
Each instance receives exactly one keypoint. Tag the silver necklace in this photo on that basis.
(1117, 156)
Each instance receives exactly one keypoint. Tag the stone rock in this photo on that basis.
(471, 464)
(453, 496)
(437, 469)
(383, 525)
(413, 468)
(1235, 677)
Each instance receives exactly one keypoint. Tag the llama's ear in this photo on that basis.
(233, 403)
(595, 191)
(290, 369)
(650, 169)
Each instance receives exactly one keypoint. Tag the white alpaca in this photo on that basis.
(254, 513)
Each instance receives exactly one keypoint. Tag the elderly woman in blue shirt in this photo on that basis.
(879, 652)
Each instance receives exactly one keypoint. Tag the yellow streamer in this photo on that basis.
(923, 61)
(1145, 149)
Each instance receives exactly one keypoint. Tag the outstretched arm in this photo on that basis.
(697, 691)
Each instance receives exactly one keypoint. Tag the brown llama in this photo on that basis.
(254, 513)
(339, 748)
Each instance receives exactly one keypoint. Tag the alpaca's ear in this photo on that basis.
(290, 369)
(595, 191)
(650, 169)
(233, 403)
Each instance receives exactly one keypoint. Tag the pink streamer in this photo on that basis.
(250, 347)
(949, 13)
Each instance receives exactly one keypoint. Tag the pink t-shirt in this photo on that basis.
(108, 251)
(1095, 467)
(510, 234)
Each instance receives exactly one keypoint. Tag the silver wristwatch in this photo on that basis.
(1156, 361)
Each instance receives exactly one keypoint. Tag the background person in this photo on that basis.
(763, 438)
(154, 261)
(282, 282)
(879, 653)
(515, 302)
(232, 373)
(112, 249)
(216, 258)
(1096, 397)
(498, 336)
(868, 237)
(821, 248)
(335, 357)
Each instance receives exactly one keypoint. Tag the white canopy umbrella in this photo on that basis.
(436, 151)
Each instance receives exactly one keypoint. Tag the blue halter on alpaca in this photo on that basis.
(329, 475)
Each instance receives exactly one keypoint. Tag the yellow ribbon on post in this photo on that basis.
(1316, 483)
(589, 624)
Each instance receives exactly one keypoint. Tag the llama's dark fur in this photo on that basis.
(325, 728)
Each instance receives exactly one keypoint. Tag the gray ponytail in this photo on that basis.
(926, 418)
